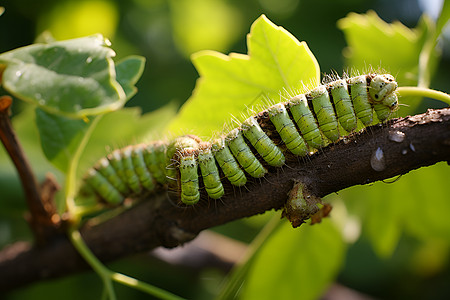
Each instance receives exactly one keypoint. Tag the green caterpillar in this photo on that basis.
(304, 123)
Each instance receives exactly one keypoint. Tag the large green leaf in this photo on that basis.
(74, 77)
(375, 43)
(416, 203)
(296, 263)
(229, 84)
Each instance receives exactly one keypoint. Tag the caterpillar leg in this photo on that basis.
(302, 205)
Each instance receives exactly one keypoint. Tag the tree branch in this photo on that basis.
(424, 140)
(42, 215)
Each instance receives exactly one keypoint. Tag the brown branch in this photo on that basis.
(43, 219)
(157, 222)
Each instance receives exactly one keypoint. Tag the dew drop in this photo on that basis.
(404, 151)
(89, 60)
(411, 146)
(19, 73)
(41, 102)
(396, 136)
(377, 161)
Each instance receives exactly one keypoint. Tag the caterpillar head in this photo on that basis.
(382, 90)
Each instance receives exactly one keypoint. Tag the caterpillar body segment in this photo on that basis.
(244, 155)
(182, 167)
(288, 132)
(228, 163)
(115, 160)
(210, 173)
(103, 187)
(323, 108)
(155, 159)
(306, 122)
(189, 192)
(343, 104)
(146, 179)
(360, 99)
(131, 176)
(262, 143)
(173, 149)
(123, 173)
(105, 168)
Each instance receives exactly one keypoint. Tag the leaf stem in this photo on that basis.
(89, 257)
(72, 170)
(406, 91)
(142, 286)
(108, 276)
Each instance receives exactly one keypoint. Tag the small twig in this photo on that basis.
(41, 216)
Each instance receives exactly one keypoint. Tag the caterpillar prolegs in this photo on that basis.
(303, 124)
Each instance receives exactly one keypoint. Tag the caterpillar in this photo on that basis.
(304, 123)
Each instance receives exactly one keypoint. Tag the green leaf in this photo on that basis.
(427, 214)
(373, 42)
(296, 263)
(60, 137)
(74, 78)
(416, 204)
(443, 18)
(128, 71)
(229, 84)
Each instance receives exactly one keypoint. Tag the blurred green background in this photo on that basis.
(167, 33)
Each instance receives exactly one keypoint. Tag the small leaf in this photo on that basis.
(128, 71)
(74, 77)
(228, 85)
(296, 263)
